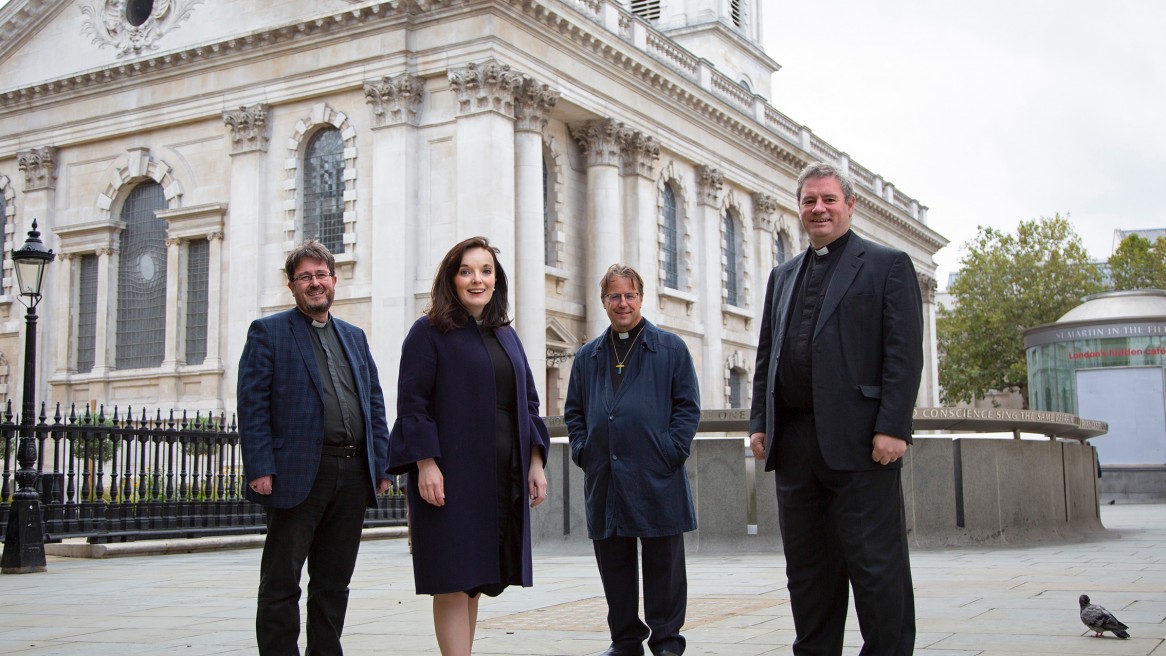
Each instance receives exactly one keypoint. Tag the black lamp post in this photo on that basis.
(24, 539)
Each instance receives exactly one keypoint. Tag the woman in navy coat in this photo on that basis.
(469, 435)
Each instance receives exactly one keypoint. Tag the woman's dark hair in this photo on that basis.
(445, 311)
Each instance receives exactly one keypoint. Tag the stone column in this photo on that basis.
(532, 102)
(599, 140)
(170, 352)
(39, 166)
(641, 247)
(395, 103)
(105, 339)
(214, 301)
(249, 215)
(485, 155)
(709, 215)
(62, 336)
(929, 386)
(765, 226)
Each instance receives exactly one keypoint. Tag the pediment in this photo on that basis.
(559, 338)
(52, 39)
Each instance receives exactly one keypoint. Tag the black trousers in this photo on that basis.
(325, 530)
(840, 530)
(665, 592)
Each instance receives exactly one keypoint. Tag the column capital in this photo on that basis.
(395, 100)
(484, 87)
(764, 206)
(709, 181)
(640, 152)
(216, 235)
(927, 287)
(600, 141)
(39, 166)
(248, 127)
(533, 100)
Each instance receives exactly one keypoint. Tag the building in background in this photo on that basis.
(1105, 360)
(174, 152)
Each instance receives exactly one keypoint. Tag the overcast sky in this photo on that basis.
(988, 112)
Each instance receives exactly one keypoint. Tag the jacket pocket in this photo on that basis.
(871, 391)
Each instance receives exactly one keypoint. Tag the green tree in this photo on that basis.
(1138, 264)
(1008, 283)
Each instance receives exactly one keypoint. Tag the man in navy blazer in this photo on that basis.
(839, 360)
(315, 443)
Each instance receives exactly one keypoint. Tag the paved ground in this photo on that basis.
(998, 601)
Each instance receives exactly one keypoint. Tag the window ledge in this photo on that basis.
(689, 300)
(560, 276)
(734, 311)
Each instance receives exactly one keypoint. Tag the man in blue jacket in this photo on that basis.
(315, 445)
(632, 410)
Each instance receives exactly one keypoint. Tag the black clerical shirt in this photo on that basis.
(795, 370)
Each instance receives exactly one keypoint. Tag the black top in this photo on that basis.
(621, 352)
(343, 423)
(795, 371)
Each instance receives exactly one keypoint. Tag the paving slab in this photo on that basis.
(987, 601)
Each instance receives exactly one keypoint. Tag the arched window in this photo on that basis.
(197, 288)
(86, 312)
(141, 280)
(729, 252)
(779, 252)
(324, 189)
(736, 388)
(646, 9)
(671, 240)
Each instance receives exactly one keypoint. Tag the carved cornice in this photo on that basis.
(533, 100)
(907, 227)
(106, 24)
(248, 126)
(485, 87)
(709, 181)
(395, 100)
(600, 141)
(764, 206)
(39, 166)
(640, 152)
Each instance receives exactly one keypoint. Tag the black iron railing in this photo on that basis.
(127, 476)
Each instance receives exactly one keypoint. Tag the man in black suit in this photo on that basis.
(839, 360)
(315, 442)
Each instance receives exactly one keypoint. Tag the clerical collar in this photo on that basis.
(832, 247)
(319, 324)
(631, 333)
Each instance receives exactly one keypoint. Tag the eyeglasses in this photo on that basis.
(307, 278)
(630, 297)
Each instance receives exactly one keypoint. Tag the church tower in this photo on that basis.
(725, 32)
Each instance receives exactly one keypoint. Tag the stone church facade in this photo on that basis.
(174, 151)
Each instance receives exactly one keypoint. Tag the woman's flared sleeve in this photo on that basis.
(414, 436)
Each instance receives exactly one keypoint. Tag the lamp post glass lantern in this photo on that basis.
(24, 539)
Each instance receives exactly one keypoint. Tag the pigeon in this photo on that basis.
(1100, 620)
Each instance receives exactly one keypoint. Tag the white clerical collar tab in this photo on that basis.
(821, 251)
(318, 324)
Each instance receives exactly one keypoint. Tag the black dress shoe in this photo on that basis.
(612, 651)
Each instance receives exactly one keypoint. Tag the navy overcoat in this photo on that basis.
(632, 443)
(281, 406)
(445, 410)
